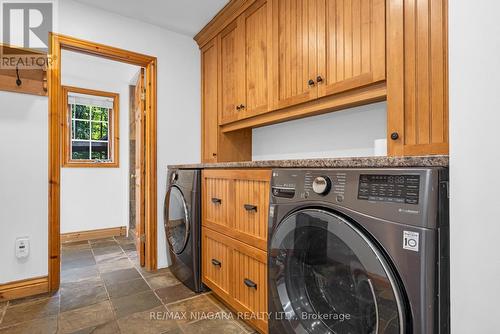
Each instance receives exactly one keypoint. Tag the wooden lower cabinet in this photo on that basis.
(237, 274)
(235, 205)
(216, 261)
(249, 268)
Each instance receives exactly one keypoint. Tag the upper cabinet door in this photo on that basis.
(209, 65)
(295, 34)
(351, 44)
(232, 72)
(417, 77)
(256, 27)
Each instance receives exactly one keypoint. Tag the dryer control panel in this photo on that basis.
(389, 188)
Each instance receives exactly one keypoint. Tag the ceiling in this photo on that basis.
(187, 17)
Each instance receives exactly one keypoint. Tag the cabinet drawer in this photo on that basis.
(216, 201)
(236, 204)
(236, 273)
(251, 211)
(249, 268)
(216, 261)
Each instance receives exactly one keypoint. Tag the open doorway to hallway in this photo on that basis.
(96, 183)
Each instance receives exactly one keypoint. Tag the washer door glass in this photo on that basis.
(176, 220)
(331, 279)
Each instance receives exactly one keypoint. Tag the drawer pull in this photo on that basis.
(216, 263)
(250, 207)
(250, 283)
(216, 200)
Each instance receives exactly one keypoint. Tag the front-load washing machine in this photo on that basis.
(359, 251)
(182, 221)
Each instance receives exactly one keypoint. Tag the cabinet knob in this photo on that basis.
(394, 136)
(214, 154)
(310, 82)
(216, 263)
(242, 106)
(238, 108)
(319, 79)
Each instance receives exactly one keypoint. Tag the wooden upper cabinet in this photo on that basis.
(209, 66)
(351, 44)
(417, 77)
(231, 72)
(256, 23)
(294, 51)
(245, 64)
(279, 60)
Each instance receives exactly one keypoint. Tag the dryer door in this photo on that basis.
(329, 277)
(177, 226)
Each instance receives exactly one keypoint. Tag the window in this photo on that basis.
(91, 129)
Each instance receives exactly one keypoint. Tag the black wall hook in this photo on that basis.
(18, 81)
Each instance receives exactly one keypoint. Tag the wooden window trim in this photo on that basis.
(114, 130)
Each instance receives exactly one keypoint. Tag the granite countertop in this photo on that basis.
(355, 162)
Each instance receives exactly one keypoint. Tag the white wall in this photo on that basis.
(97, 198)
(24, 208)
(474, 164)
(350, 132)
(23, 183)
(178, 83)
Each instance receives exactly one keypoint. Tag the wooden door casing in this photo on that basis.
(351, 44)
(209, 95)
(417, 77)
(140, 168)
(294, 51)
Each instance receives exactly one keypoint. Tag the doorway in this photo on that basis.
(145, 166)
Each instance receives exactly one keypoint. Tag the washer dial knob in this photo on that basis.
(322, 185)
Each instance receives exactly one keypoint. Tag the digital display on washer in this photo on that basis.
(389, 188)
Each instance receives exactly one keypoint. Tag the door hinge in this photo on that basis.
(143, 94)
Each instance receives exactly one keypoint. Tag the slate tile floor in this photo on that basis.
(103, 290)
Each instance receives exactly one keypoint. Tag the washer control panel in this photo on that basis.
(389, 188)
(404, 195)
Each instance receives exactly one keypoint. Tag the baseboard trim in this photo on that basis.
(94, 234)
(24, 288)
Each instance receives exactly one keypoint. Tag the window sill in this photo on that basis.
(75, 164)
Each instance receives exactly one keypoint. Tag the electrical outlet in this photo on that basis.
(22, 247)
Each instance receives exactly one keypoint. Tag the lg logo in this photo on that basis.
(27, 24)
